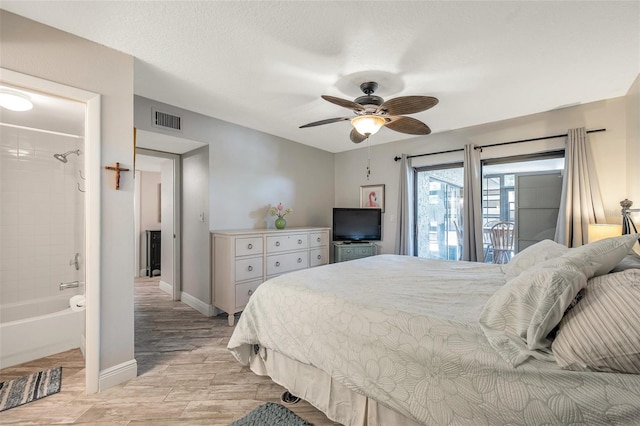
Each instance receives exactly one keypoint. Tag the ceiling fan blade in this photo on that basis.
(407, 125)
(343, 103)
(356, 137)
(407, 105)
(327, 121)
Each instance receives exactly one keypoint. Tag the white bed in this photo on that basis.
(396, 340)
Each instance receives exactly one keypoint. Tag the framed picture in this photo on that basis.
(372, 197)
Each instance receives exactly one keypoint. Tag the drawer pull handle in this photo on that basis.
(277, 243)
(250, 292)
(250, 268)
(299, 260)
(277, 263)
(319, 239)
(299, 241)
(319, 257)
(250, 246)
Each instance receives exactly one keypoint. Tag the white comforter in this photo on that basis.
(403, 331)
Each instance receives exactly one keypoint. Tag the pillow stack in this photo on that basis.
(542, 281)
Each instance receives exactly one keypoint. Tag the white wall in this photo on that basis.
(196, 254)
(41, 51)
(609, 149)
(41, 215)
(149, 210)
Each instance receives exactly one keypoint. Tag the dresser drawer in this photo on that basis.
(247, 269)
(281, 263)
(280, 243)
(319, 239)
(319, 256)
(248, 246)
(244, 292)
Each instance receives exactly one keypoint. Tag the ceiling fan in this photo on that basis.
(372, 113)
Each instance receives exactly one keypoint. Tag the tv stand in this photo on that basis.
(350, 250)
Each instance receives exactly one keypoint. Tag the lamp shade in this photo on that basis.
(599, 231)
(367, 125)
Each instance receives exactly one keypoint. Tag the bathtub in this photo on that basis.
(38, 328)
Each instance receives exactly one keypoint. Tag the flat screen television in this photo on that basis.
(353, 224)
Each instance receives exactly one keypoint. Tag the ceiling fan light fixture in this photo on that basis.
(15, 101)
(367, 125)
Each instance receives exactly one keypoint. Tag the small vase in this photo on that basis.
(281, 223)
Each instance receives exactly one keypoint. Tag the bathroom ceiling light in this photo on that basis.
(15, 101)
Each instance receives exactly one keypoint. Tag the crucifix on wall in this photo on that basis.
(117, 169)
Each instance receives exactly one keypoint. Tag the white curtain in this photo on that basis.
(580, 203)
(472, 247)
(405, 232)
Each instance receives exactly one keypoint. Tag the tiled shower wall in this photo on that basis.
(41, 214)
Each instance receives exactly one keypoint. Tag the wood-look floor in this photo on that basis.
(186, 376)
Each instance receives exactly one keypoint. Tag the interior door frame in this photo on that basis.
(177, 230)
(92, 204)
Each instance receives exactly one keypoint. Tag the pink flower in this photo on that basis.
(280, 206)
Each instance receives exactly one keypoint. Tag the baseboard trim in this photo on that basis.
(166, 287)
(197, 304)
(117, 374)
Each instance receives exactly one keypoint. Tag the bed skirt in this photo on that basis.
(339, 403)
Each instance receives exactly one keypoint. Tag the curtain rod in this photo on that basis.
(396, 158)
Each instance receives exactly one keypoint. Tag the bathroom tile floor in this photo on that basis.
(186, 376)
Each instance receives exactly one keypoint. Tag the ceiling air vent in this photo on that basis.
(167, 121)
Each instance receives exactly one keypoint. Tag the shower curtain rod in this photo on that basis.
(396, 158)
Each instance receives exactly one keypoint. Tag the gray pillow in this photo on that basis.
(602, 332)
(630, 261)
(531, 256)
(608, 252)
(518, 317)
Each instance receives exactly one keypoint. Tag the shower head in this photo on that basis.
(63, 157)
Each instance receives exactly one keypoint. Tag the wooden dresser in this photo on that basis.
(244, 259)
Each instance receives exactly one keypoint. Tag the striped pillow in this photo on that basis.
(602, 332)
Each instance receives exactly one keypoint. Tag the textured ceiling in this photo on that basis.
(265, 64)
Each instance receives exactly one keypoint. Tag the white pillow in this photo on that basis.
(608, 252)
(517, 318)
(531, 256)
(602, 332)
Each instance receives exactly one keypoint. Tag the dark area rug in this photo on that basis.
(29, 388)
(271, 414)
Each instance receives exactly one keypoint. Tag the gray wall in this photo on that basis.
(609, 149)
(633, 146)
(168, 224)
(31, 48)
(247, 171)
(250, 170)
(195, 225)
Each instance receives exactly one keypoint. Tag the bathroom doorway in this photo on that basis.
(51, 208)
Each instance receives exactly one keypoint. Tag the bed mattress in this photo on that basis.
(404, 331)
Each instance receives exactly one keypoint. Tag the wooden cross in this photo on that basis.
(117, 169)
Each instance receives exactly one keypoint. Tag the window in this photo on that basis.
(439, 212)
(524, 190)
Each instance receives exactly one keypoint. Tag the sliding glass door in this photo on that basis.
(439, 212)
(524, 191)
